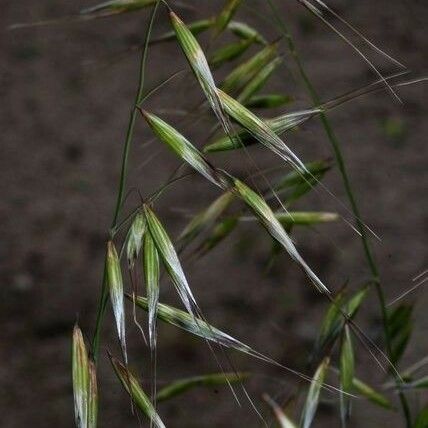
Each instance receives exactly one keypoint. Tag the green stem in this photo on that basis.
(350, 194)
(122, 181)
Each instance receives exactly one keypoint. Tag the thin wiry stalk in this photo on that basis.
(349, 192)
(123, 174)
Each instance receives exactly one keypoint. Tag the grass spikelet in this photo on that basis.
(353, 304)
(115, 285)
(93, 396)
(312, 398)
(244, 31)
(183, 385)
(283, 420)
(259, 80)
(267, 101)
(301, 218)
(236, 80)
(279, 125)
(201, 328)
(226, 15)
(170, 259)
(182, 147)
(371, 394)
(195, 27)
(193, 325)
(118, 6)
(400, 330)
(331, 324)
(239, 29)
(151, 276)
(334, 321)
(81, 381)
(229, 52)
(267, 218)
(135, 238)
(287, 121)
(220, 232)
(422, 418)
(260, 130)
(206, 218)
(347, 369)
(139, 397)
(294, 185)
(199, 64)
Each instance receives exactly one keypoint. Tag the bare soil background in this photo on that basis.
(64, 110)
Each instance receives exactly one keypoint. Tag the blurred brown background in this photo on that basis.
(66, 93)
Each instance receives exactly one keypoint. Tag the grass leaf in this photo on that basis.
(268, 101)
(139, 397)
(183, 385)
(115, 284)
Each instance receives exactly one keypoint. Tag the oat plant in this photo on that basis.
(243, 116)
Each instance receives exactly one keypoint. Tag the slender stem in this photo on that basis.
(122, 181)
(350, 194)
